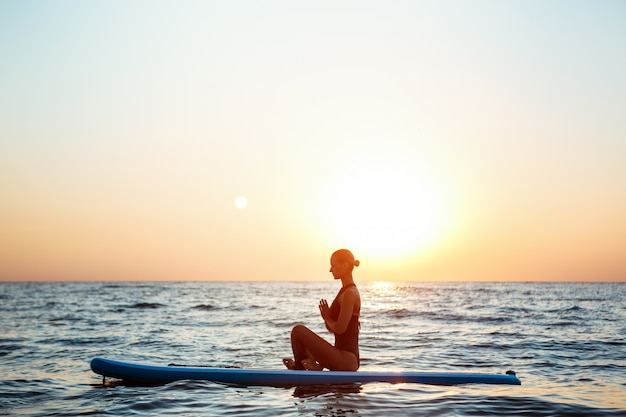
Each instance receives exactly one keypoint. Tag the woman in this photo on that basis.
(310, 351)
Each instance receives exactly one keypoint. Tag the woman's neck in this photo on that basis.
(345, 281)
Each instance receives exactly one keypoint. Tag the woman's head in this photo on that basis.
(342, 263)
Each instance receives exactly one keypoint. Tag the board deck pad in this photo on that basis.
(151, 374)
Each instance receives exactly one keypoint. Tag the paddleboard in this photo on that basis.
(155, 374)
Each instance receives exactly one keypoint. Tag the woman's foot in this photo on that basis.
(311, 365)
(289, 363)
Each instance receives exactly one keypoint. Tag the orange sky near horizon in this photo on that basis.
(438, 140)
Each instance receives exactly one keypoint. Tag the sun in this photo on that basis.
(385, 205)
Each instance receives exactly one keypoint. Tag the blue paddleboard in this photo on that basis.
(151, 374)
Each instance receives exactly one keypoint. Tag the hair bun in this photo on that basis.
(357, 262)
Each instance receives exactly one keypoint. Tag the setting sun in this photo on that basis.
(385, 204)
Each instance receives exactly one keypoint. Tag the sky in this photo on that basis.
(248, 140)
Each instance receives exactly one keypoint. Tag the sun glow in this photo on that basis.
(385, 206)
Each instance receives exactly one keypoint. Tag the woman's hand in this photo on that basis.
(325, 311)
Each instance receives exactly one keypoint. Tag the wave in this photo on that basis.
(465, 318)
(145, 306)
(67, 317)
(399, 313)
(565, 310)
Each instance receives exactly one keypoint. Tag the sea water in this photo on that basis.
(565, 341)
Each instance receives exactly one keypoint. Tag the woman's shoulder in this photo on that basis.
(353, 291)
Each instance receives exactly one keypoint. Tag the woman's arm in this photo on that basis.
(340, 325)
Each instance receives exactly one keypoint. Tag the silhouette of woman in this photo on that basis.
(311, 351)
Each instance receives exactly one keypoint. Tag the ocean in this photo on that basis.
(565, 341)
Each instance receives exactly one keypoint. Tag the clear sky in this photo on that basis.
(247, 140)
